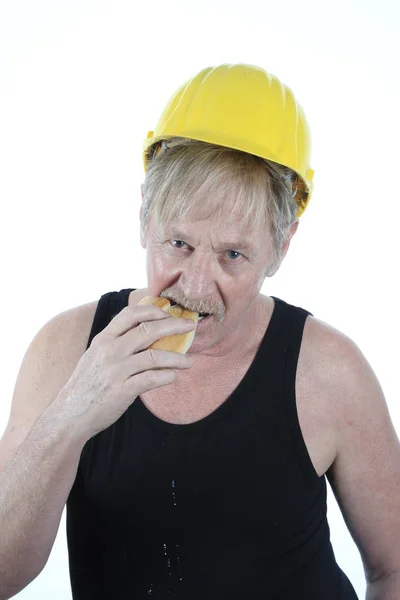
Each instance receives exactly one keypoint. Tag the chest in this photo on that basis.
(190, 400)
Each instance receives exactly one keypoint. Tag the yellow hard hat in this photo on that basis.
(242, 107)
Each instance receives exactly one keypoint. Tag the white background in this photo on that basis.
(80, 85)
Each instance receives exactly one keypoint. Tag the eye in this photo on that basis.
(176, 241)
(234, 255)
(238, 254)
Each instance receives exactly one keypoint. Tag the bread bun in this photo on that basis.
(174, 343)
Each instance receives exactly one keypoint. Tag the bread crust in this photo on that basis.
(173, 343)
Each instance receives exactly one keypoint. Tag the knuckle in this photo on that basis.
(144, 329)
(149, 378)
(152, 356)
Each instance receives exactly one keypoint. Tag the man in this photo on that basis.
(203, 475)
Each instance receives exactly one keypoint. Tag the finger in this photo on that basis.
(131, 316)
(148, 332)
(148, 380)
(153, 360)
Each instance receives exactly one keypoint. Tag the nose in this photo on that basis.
(198, 277)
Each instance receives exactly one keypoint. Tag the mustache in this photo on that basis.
(200, 306)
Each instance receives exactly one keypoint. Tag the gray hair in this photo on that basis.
(181, 171)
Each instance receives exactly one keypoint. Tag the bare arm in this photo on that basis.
(365, 475)
(33, 491)
(37, 452)
(52, 417)
(386, 588)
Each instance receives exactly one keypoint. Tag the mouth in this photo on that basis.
(201, 315)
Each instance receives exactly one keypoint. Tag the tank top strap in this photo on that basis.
(290, 321)
(109, 305)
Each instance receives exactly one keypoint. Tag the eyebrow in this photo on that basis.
(241, 244)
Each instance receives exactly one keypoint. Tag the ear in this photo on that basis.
(272, 269)
(141, 206)
(143, 242)
(142, 237)
(292, 230)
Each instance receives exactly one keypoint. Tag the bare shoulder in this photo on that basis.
(332, 383)
(335, 361)
(63, 338)
(365, 471)
(47, 365)
(319, 335)
(334, 367)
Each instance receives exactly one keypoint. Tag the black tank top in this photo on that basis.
(228, 507)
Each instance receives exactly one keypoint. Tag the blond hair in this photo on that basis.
(181, 172)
